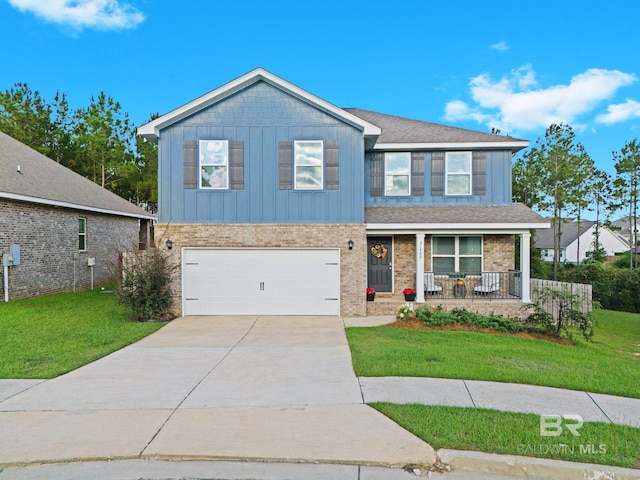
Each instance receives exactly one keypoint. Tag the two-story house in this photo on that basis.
(275, 201)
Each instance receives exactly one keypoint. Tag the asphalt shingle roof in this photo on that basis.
(405, 130)
(569, 233)
(516, 213)
(46, 181)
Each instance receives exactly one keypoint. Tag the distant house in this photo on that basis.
(59, 230)
(623, 228)
(576, 244)
(278, 202)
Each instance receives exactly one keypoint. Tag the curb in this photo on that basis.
(531, 467)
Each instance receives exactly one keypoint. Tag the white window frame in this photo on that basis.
(449, 173)
(389, 185)
(215, 154)
(457, 255)
(82, 235)
(300, 161)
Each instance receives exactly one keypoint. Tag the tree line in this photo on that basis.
(558, 177)
(98, 141)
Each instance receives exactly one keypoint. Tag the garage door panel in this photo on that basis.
(261, 281)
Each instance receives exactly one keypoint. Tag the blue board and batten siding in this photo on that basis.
(261, 116)
(497, 191)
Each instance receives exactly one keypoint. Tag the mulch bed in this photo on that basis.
(456, 327)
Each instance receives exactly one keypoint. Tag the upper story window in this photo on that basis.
(457, 254)
(397, 173)
(458, 173)
(308, 164)
(214, 164)
(82, 234)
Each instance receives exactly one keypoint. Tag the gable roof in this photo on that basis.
(568, 235)
(405, 133)
(152, 129)
(515, 216)
(44, 181)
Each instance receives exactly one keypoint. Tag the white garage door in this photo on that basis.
(261, 281)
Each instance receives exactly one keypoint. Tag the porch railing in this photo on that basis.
(473, 286)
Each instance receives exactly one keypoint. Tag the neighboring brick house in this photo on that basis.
(277, 202)
(54, 223)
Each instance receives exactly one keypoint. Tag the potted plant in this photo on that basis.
(409, 294)
(371, 294)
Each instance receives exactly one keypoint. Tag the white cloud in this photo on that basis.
(620, 112)
(98, 14)
(516, 102)
(500, 46)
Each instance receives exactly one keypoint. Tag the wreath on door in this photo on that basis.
(379, 250)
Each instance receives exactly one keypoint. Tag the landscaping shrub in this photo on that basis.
(144, 285)
(465, 317)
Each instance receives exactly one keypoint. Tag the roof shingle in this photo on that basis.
(515, 213)
(46, 181)
(405, 130)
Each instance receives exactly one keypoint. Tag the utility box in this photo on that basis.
(91, 261)
(7, 260)
(14, 250)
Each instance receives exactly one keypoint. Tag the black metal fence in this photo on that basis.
(477, 286)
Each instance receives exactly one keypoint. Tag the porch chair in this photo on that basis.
(430, 286)
(489, 285)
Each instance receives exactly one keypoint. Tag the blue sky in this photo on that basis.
(518, 66)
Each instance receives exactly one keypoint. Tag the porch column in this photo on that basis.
(525, 266)
(420, 267)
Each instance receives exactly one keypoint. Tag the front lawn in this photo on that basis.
(47, 336)
(608, 364)
(509, 433)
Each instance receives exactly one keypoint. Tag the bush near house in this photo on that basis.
(144, 285)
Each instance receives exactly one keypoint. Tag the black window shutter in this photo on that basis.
(437, 173)
(236, 165)
(417, 173)
(377, 173)
(285, 162)
(479, 161)
(331, 164)
(190, 164)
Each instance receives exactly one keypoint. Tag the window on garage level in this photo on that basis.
(457, 254)
(397, 173)
(214, 164)
(308, 164)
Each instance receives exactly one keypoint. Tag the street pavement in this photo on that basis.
(259, 398)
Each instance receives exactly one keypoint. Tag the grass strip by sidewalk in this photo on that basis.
(47, 336)
(609, 364)
(491, 431)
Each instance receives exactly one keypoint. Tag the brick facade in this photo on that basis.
(353, 266)
(48, 239)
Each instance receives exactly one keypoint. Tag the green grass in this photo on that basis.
(608, 364)
(47, 336)
(508, 433)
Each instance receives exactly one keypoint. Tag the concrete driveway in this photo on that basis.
(251, 388)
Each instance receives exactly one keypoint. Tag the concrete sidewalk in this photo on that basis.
(593, 407)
